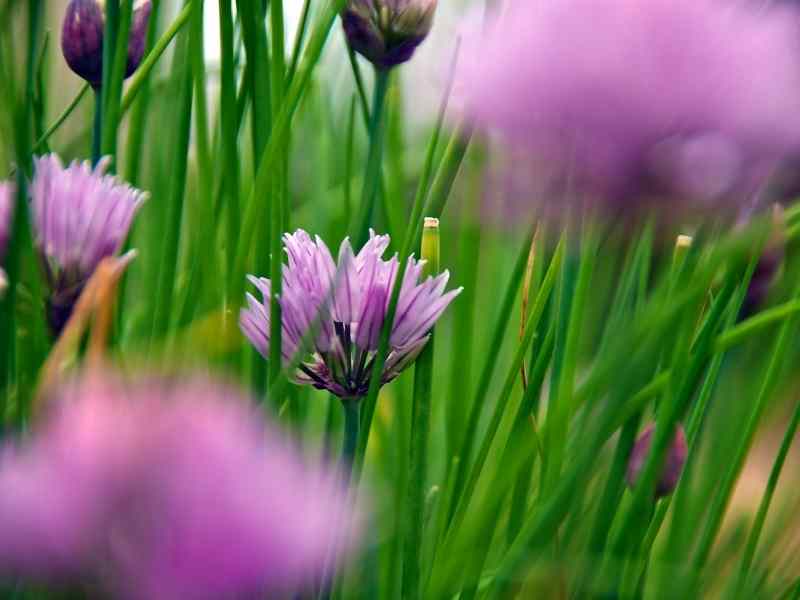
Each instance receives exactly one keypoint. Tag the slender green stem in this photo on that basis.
(420, 431)
(372, 175)
(352, 420)
(722, 497)
(97, 130)
(42, 141)
(769, 491)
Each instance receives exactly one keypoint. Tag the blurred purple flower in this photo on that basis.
(7, 191)
(387, 32)
(82, 38)
(80, 216)
(693, 100)
(163, 490)
(347, 302)
(673, 465)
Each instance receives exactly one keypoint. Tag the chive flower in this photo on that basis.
(80, 216)
(165, 489)
(342, 307)
(387, 32)
(82, 38)
(673, 463)
(692, 101)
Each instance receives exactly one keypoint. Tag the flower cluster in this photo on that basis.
(693, 100)
(343, 306)
(166, 490)
(82, 38)
(80, 216)
(387, 32)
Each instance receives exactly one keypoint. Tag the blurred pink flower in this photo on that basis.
(166, 490)
(697, 100)
(7, 190)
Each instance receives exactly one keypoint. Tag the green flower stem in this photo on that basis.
(41, 143)
(466, 495)
(420, 431)
(112, 88)
(229, 134)
(372, 175)
(722, 497)
(413, 231)
(766, 499)
(469, 435)
(168, 266)
(97, 128)
(352, 420)
(255, 212)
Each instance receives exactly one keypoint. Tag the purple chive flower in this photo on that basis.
(7, 191)
(690, 100)
(80, 216)
(164, 490)
(347, 302)
(673, 465)
(82, 38)
(387, 32)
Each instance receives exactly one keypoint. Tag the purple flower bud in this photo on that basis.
(348, 303)
(387, 32)
(82, 38)
(673, 463)
(80, 216)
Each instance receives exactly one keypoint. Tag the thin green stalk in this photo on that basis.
(97, 129)
(300, 37)
(484, 381)
(109, 47)
(420, 431)
(172, 232)
(466, 494)
(372, 175)
(350, 440)
(142, 74)
(721, 499)
(19, 240)
(139, 117)
(113, 85)
(41, 143)
(255, 211)
(229, 133)
(766, 499)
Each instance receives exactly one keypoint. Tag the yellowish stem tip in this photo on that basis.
(431, 223)
(683, 241)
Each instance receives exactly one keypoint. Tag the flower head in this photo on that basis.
(387, 32)
(692, 100)
(82, 37)
(673, 463)
(346, 304)
(166, 490)
(80, 216)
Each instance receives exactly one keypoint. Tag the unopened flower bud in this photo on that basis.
(673, 463)
(82, 37)
(387, 32)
